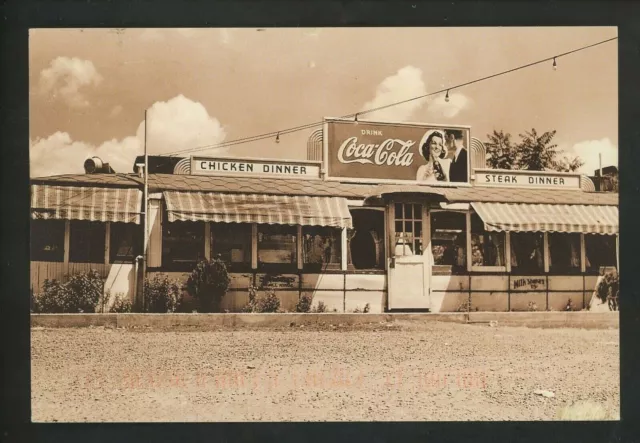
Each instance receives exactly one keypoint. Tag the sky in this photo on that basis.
(89, 88)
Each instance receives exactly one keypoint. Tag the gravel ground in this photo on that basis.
(434, 371)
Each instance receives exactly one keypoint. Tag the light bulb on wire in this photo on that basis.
(355, 118)
(555, 65)
(446, 97)
(278, 138)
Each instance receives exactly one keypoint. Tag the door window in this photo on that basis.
(408, 223)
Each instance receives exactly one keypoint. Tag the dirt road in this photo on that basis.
(435, 371)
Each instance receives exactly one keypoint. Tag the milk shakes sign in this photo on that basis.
(397, 152)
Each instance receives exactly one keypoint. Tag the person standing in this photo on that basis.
(458, 171)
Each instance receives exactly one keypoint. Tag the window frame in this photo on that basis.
(311, 267)
(487, 269)
(182, 266)
(414, 221)
(42, 223)
(245, 265)
(74, 224)
(136, 247)
(449, 269)
(349, 268)
(592, 271)
(545, 255)
(292, 267)
(571, 271)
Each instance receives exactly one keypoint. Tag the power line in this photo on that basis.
(368, 111)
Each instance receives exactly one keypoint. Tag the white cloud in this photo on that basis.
(405, 84)
(65, 77)
(116, 110)
(174, 125)
(457, 102)
(588, 151)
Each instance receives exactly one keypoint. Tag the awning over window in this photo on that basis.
(587, 219)
(258, 208)
(86, 203)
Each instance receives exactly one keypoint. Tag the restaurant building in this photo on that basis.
(379, 214)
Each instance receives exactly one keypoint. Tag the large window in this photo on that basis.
(487, 247)
(321, 248)
(366, 240)
(564, 253)
(47, 240)
(125, 242)
(87, 242)
(448, 239)
(277, 245)
(600, 251)
(408, 219)
(527, 252)
(232, 242)
(182, 244)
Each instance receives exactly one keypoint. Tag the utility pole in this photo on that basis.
(146, 211)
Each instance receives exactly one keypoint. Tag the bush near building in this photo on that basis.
(162, 294)
(208, 283)
(81, 293)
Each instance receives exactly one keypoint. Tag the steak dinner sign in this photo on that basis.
(371, 151)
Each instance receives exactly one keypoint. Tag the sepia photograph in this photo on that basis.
(324, 224)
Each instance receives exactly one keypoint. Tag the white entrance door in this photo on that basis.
(408, 268)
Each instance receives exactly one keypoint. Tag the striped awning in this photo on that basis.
(586, 219)
(86, 203)
(257, 208)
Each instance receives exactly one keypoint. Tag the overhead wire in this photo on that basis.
(368, 111)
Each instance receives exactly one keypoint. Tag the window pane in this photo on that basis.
(418, 228)
(417, 212)
(399, 212)
(125, 242)
(448, 239)
(232, 242)
(399, 227)
(321, 247)
(408, 211)
(87, 242)
(182, 242)
(564, 252)
(277, 244)
(488, 249)
(366, 240)
(47, 240)
(527, 252)
(600, 251)
(408, 226)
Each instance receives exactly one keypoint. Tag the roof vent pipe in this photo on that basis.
(93, 165)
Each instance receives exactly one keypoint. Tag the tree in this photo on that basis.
(533, 153)
(502, 154)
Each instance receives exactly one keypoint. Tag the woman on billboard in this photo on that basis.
(434, 152)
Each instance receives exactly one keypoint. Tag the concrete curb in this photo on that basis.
(588, 320)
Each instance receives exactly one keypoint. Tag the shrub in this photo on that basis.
(269, 302)
(121, 304)
(357, 310)
(367, 308)
(304, 303)
(208, 283)
(161, 294)
(81, 293)
(608, 290)
(321, 307)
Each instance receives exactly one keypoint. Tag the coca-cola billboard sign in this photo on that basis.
(368, 151)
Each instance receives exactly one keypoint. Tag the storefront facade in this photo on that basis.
(369, 218)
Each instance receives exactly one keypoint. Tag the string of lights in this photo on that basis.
(277, 134)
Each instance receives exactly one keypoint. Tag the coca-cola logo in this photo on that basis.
(391, 152)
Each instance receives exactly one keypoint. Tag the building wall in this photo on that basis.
(348, 292)
(42, 270)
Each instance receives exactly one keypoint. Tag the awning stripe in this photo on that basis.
(587, 219)
(86, 203)
(258, 208)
